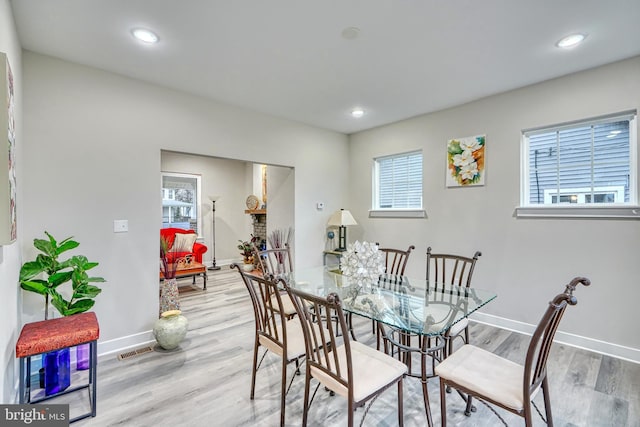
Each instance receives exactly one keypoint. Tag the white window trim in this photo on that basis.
(603, 211)
(397, 213)
(392, 212)
(198, 179)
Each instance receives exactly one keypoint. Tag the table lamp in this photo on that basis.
(341, 219)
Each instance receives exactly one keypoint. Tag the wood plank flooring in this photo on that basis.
(206, 381)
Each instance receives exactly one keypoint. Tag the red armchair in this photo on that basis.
(197, 250)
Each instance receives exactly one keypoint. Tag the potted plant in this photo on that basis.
(246, 250)
(44, 276)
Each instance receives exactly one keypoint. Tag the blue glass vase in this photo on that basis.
(57, 371)
(82, 357)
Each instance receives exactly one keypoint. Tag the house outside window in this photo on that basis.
(181, 201)
(585, 164)
(397, 185)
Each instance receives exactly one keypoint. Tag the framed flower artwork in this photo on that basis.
(466, 161)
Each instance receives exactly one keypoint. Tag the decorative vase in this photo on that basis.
(57, 371)
(247, 267)
(82, 357)
(170, 329)
(169, 297)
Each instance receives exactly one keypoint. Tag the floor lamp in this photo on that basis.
(213, 230)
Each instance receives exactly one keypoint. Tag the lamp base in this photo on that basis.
(340, 249)
(213, 268)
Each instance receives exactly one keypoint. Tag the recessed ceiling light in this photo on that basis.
(357, 112)
(350, 33)
(571, 41)
(144, 35)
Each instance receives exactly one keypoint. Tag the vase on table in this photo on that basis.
(170, 329)
(169, 297)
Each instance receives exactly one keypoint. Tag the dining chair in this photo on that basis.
(277, 262)
(501, 382)
(450, 269)
(395, 262)
(344, 366)
(273, 330)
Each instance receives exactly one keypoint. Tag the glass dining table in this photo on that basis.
(414, 314)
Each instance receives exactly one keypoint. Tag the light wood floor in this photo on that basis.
(206, 382)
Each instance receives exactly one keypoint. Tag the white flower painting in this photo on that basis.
(465, 161)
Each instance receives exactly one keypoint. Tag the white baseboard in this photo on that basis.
(122, 344)
(621, 352)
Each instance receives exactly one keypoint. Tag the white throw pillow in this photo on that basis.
(184, 242)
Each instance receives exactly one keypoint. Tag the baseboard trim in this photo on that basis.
(128, 342)
(614, 350)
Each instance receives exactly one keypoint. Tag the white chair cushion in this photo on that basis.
(287, 305)
(457, 328)
(485, 373)
(295, 339)
(372, 370)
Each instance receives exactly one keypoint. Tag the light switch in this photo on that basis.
(120, 225)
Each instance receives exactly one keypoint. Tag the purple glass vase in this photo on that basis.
(82, 357)
(57, 371)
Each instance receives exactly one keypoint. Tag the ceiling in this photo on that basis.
(288, 58)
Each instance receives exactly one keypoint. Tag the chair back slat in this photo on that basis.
(395, 260)
(535, 368)
(275, 261)
(450, 269)
(323, 337)
(267, 305)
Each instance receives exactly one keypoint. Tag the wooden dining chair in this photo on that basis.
(395, 263)
(278, 263)
(501, 382)
(348, 368)
(273, 330)
(450, 269)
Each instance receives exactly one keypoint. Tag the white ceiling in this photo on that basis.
(287, 58)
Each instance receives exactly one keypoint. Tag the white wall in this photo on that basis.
(92, 155)
(10, 254)
(526, 261)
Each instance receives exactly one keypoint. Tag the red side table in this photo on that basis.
(55, 334)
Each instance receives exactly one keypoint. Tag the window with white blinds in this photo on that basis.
(586, 163)
(398, 182)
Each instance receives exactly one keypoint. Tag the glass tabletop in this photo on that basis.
(410, 304)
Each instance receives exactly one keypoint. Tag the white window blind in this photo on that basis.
(398, 181)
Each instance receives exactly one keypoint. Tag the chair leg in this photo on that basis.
(352, 410)
(547, 401)
(400, 404)
(255, 368)
(305, 411)
(443, 404)
(283, 391)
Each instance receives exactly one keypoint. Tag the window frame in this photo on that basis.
(376, 211)
(629, 210)
(198, 202)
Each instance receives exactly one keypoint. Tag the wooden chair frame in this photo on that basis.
(324, 358)
(535, 367)
(271, 327)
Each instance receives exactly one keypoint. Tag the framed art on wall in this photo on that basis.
(465, 161)
(8, 217)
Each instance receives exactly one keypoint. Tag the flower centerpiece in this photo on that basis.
(363, 263)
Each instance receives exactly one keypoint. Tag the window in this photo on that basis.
(586, 164)
(397, 185)
(181, 201)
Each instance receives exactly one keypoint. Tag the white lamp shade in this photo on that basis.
(342, 217)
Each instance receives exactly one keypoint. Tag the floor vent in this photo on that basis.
(134, 353)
